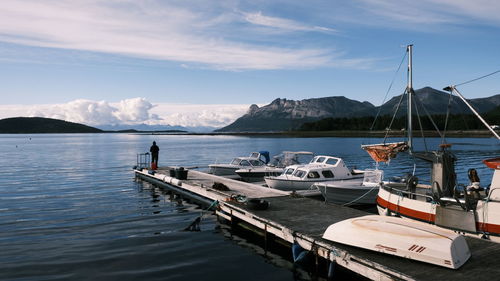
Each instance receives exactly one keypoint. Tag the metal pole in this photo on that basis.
(409, 90)
(473, 110)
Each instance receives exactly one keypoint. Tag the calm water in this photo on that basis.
(71, 209)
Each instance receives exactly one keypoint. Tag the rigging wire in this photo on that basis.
(388, 90)
(418, 102)
(394, 116)
(420, 123)
(479, 78)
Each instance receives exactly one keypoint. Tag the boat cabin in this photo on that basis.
(320, 167)
(247, 162)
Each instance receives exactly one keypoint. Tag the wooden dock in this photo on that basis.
(303, 221)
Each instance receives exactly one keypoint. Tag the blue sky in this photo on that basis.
(203, 63)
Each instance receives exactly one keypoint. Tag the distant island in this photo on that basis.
(40, 125)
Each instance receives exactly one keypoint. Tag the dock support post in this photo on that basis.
(265, 239)
(331, 269)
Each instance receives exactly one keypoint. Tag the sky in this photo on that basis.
(203, 63)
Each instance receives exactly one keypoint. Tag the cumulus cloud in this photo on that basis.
(131, 112)
(194, 115)
(90, 112)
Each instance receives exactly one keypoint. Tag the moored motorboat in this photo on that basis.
(405, 238)
(362, 192)
(321, 168)
(254, 160)
(275, 167)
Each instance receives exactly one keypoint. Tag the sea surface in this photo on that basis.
(71, 209)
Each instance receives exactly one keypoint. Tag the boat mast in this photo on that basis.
(409, 91)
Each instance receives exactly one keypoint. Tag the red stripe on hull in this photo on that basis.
(423, 216)
(493, 229)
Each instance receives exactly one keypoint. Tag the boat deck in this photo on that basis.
(303, 220)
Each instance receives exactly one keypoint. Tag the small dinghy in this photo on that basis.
(405, 238)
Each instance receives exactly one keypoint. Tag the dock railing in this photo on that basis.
(143, 160)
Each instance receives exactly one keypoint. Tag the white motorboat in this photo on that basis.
(276, 166)
(254, 160)
(321, 168)
(404, 238)
(362, 192)
(472, 209)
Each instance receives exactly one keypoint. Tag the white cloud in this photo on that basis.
(193, 115)
(432, 12)
(159, 30)
(281, 23)
(130, 112)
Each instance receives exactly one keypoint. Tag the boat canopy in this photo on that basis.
(265, 154)
(385, 151)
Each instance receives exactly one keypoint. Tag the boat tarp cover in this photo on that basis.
(385, 152)
(265, 154)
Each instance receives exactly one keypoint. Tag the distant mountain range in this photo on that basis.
(286, 115)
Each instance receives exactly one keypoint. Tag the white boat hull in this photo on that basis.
(405, 238)
(297, 184)
(258, 174)
(222, 169)
(350, 192)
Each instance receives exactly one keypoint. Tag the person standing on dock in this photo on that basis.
(154, 155)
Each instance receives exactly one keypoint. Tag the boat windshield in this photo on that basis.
(236, 161)
(256, 163)
(318, 159)
(244, 163)
(332, 161)
(254, 155)
(289, 171)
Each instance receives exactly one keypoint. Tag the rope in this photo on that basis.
(479, 78)
(360, 197)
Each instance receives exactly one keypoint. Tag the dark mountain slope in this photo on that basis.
(34, 125)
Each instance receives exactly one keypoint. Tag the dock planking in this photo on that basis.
(303, 220)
